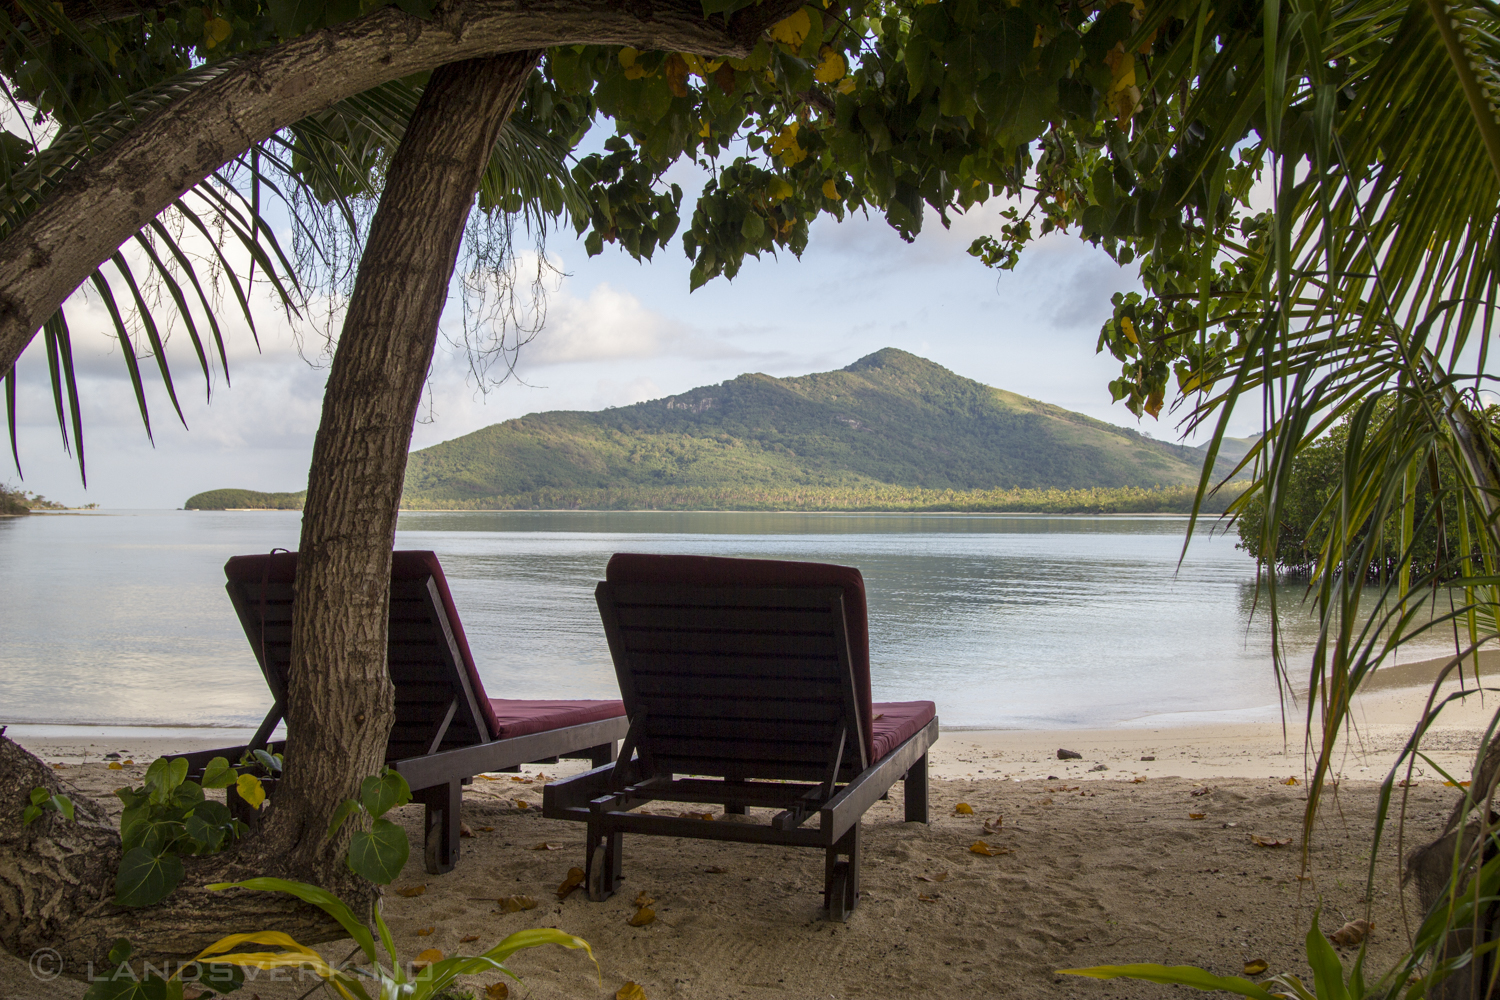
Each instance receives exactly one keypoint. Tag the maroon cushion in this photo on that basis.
(281, 567)
(898, 721)
(520, 718)
(715, 571)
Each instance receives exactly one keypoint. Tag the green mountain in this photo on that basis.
(889, 421)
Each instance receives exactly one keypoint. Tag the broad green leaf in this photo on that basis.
(381, 793)
(1174, 975)
(218, 774)
(348, 808)
(1328, 971)
(380, 852)
(146, 878)
(317, 896)
(271, 764)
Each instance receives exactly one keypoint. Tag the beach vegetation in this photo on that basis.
(43, 800)
(167, 818)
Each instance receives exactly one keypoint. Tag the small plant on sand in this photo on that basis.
(167, 818)
(428, 978)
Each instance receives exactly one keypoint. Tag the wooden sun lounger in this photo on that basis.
(447, 730)
(747, 683)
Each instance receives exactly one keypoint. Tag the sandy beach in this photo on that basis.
(1139, 851)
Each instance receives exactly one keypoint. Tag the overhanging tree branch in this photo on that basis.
(124, 187)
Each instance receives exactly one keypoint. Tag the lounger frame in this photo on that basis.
(440, 739)
(744, 697)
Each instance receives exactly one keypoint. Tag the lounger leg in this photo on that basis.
(602, 873)
(916, 792)
(841, 875)
(602, 754)
(440, 846)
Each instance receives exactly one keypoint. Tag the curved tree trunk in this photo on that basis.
(341, 704)
(56, 878)
(123, 187)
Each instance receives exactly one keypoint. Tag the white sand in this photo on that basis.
(1105, 866)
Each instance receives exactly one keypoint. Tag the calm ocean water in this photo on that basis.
(1017, 622)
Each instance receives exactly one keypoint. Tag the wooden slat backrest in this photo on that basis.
(735, 682)
(423, 659)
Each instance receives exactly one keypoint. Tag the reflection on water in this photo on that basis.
(1008, 621)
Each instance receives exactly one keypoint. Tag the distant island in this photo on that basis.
(892, 431)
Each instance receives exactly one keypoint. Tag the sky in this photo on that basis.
(615, 332)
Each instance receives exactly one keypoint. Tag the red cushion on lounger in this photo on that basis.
(715, 571)
(898, 721)
(281, 567)
(520, 718)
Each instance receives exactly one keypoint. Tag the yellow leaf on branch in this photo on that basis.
(793, 30)
(831, 66)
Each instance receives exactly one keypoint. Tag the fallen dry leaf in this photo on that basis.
(1351, 933)
(515, 904)
(486, 829)
(644, 898)
(1450, 784)
(427, 957)
(545, 846)
(993, 825)
(716, 870)
(963, 809)
(1138, 779)
(574, 880)
(642, 917)
(1047, 801)
(411, 890)
(630, 991)
(464, 829)
(128, 763)
(695, 815)
(115, 765)
(522, 804)
(58, 767)
(929, 899)
(1260, 841)
(524, 781)
(980, 847)
(424, 931)
(1256, 967)
(939, 877)
(1195, 815)
(1291, 781)
(489, 777)
(1204, 790)
(468, 938)
(497, 991)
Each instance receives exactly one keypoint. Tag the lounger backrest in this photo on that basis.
(744, 668)
(440, 701)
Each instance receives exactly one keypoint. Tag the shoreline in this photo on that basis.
(1192, 746)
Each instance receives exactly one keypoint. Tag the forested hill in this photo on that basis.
(891, 419)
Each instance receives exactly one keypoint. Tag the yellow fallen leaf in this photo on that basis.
(1195, 815)
(411, 890)
(467, 938)
(939, 877)
(427, 957)
(515, 904)
(524, 781)
(1351, 933)
(425, 931)
(1450, 784)
(128, 763)
(1138, 779)
(642, 917)
(1256, 967)
(522, 804)
(630, 991)
(489, 777)
(58, 767)
(497, 991)
(486, 829)
(545, 846)
(963, 809)
(643, 898)
(115, 765)
(1291, 781)
(980, 847)
(574, 880)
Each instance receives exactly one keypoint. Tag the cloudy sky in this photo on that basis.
(616, 332)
